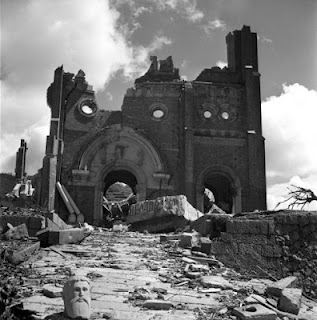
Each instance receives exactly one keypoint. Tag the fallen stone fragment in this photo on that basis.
(277, 287)
(52, 237)
(189, 240)
(17, 257)
(209, 261)
(198, 267)
(52, 291)
(160, 290)
(188, 260)
(205, 244)
(210, 290)
(168, 237)
(280, 313)
(16, 233)
(215, 282)
(254, 312)
(158, 304)
(290, 300)
(192, 274)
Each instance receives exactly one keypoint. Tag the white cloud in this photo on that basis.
(140, 10)
(186, 8)
(214, 25)
(264, 39)
(40, 35)
(221, 64)
(289, 127)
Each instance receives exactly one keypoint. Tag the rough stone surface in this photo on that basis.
(189, 240)
(158, 304)
(15, 233)
(290, 300)
(254, 312)
(215, 282)
(277, 287)
(52, 291)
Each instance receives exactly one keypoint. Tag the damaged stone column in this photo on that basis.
(20, 161)
(54, 144)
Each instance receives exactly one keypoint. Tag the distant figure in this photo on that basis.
(76, 296)
(209, 200)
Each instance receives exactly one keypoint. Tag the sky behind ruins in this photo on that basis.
(112, 41)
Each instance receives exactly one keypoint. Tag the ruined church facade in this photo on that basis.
(171, 136)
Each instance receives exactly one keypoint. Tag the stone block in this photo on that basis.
(202, 225)
(55, 218)
(158, 304)
(19, 256)
(215, 282)
(205, 245)
(303, 219)
(271, 251)
(226, 237)
(52, 291)
(16, 233)
(290, 300)
(230, 226)
(73, 235)
(277, 287)
(188, 240)
(220, 248)
(168, 237)
(254, 312)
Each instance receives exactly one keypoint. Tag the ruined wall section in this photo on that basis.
(153, 109)
(282, 243)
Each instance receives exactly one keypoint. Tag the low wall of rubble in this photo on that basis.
(276, 243)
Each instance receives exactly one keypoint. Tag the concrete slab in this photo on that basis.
(254, 312)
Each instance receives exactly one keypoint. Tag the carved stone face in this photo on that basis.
(76, 296)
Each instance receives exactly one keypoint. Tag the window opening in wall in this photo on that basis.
(158, 114)
(207, 114)
(87, 109)
(225, 115)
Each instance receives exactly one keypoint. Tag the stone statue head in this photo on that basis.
(76, 296)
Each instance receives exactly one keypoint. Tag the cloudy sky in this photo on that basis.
(111, 40)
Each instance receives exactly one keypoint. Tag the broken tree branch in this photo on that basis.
(299, 196)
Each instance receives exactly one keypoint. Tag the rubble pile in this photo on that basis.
(139, 275)
(275, 244)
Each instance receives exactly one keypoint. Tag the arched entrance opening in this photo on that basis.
(121, 181)
(222, 189)
(120, 188)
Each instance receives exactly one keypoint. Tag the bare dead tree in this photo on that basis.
(299, 196)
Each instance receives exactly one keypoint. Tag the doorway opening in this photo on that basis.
(119, 194)
(222, 190)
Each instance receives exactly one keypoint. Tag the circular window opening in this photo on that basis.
(158, 114)
(225, 115)
(87, 109)
(207, 114)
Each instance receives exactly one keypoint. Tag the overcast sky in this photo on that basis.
(112, 41)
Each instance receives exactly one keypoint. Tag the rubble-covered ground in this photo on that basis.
(135, 276)
(138, 275)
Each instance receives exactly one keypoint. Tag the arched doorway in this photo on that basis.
(120, 189)
(114, 178)
(224, 185)
(222, 190)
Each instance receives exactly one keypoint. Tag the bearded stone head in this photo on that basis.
(76, 296)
